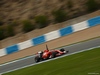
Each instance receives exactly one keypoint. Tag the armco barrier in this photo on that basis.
(50, 36)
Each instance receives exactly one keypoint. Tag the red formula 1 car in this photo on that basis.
(47, 54)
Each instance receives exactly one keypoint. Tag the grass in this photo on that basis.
(83, 63)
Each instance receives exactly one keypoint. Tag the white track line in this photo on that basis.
(52, 59)
(16, 60)
(33, 55)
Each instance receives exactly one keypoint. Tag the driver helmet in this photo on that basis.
(40, 52)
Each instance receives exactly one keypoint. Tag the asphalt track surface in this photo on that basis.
(30, 60)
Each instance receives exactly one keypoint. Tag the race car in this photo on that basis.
(48, 54)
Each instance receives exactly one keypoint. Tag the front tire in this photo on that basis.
(37, 59)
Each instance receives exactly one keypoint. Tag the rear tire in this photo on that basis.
(62, 49)
(67, 51)
(53, 54)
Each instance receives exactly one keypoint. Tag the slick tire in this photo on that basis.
(62, 49)
(37, 59)
(54, 54)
